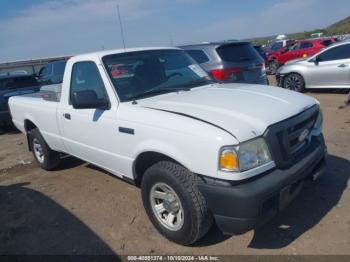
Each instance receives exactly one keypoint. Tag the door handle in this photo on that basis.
(66, 116)
(342, 65)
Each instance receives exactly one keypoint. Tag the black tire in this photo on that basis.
(273, 66)
(51, 159)
(197, 219)
(294, 82)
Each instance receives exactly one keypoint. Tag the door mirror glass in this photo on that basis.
(87, 99)
(87, 88)
(314, 60)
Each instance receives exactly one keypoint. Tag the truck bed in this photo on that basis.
(49, 93)
(41, 108)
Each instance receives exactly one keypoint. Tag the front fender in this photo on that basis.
(166, 149)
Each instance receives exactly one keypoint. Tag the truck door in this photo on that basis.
(89, 134)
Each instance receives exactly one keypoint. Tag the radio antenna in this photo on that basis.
(121, 27)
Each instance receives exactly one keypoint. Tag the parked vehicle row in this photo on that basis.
(200, 150)
(329, 68)
(299, 49)
(13, 85)
(230, 61)
(278, 45)
(20, 82)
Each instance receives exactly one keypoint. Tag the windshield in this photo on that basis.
(237, 52)
(148, 73)
(276, 46)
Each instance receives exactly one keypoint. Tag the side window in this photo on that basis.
(295, 46)
(198, 55)
(305, 45)
(85, 76)
(336, 53)
(276, 46)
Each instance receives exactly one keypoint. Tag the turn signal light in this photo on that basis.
(228, 160)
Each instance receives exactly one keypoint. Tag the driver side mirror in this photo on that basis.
(87, 99)
(315, 60)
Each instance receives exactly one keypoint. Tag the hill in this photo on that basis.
(338, 28)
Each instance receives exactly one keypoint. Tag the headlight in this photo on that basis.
(279, 70)
(317, 129)
(245, 156)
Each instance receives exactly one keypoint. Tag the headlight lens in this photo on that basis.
(319, 120)
(246, 156)
(318, 124)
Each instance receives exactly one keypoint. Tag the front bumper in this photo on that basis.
(241, 207)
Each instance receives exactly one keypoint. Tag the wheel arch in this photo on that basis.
(145, 160)
(29, 126)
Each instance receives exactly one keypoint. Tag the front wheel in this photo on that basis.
(294, 82)
(174, 204)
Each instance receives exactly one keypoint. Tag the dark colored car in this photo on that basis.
(52, 73)
(230, 61)
(261, 52)
(13, 85)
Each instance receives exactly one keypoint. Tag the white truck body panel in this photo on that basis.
(199, 124)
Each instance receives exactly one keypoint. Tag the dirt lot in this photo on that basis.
(82, 210)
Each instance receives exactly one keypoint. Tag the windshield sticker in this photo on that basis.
(198, 70)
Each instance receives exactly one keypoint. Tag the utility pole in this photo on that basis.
(121, 27)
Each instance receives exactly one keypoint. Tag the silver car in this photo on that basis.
(330, 68)
(230, 61)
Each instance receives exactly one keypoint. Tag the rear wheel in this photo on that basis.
(294, 82)
(43, 154)
(174, 204)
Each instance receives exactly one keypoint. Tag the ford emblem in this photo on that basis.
(303, 135)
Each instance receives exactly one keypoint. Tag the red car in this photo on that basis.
(300, 49)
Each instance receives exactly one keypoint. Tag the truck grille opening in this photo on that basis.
(294, 133)
(287, 138)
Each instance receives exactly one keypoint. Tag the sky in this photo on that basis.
(42, 28)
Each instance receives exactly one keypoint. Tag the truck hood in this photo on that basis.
(243, 110)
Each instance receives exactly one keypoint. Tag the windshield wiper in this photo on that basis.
(198, 83)
(158, 91)
(163, 90)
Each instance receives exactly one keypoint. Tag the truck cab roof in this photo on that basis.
(103, 53)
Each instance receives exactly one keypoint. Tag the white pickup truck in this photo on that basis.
(200, 151)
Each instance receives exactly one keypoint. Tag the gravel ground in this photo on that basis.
(80, 209)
